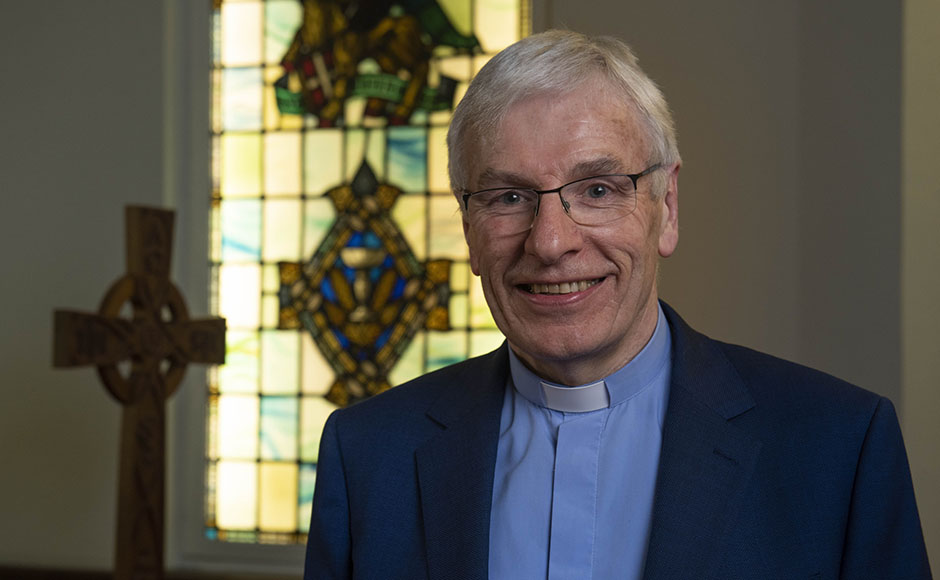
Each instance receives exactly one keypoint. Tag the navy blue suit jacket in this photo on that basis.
(768, 470)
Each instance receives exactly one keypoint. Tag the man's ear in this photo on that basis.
(474, 259)
(669, 208)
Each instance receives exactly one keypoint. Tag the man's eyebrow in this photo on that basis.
(496, 178)
(491, 177)
(599, 166)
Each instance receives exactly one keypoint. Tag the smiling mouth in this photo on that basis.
(563, 288)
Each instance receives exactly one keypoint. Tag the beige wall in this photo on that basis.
(792, 118)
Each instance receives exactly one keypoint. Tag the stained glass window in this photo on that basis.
(337, 251)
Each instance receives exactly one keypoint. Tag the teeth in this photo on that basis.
(563, 288)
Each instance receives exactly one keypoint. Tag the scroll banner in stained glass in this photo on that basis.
(386, 87)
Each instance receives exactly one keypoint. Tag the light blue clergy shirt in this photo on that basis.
(573, 489)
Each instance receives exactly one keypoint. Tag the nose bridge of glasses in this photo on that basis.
(565, 204)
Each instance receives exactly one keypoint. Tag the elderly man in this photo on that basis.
(605, 439)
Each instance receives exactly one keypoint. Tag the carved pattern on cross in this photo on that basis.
(157, 341)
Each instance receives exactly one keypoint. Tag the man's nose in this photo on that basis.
(553, 233)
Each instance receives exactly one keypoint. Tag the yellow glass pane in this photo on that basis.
(278, 497)
(355, 151)
(446, 348)
(282, 221)
(447, 239)
(273, 119)
(216, 113)
(323, 155)
(438, 181)
(458, 310)
(270, 311)
(411, 363)
(282, 163)
(480, 316)
(318, 218)
(456, 67)
(496, 23)
(459, 276)
(313, 414)
(241, 165)
(460, 14)
(241, 33)
(236, 495)
(280, 362)
(239, 374)
(408, 213)
(239, 290)
(215, 233)
(484, 341)
(375, 151)
(317, 375)
(272, 278)
(238, 426)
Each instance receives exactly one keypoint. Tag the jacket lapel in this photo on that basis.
(705, 461)
(456, 468)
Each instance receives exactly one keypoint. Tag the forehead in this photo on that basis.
(552, 138)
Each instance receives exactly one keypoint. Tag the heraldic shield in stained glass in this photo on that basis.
(363, 295)
(324, 64)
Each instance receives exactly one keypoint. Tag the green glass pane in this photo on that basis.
(411, 363)
(323, 156)
(282, 221)
(278, 497)
(409, 214)
(236, 496)
(279, 428)
(313, 414)
(447, 240)
(239, 290)
(282, 18)
(484, 341)
(240, 222)
(317, 375)
(241, 99)
(238, 426)
(280, 363)
(308, 479)
(446, 348)
(241, 33)
(318, 218)
(240, 165)
(239, 374)
(407, 158)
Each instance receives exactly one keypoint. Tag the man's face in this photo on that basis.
(603, 309)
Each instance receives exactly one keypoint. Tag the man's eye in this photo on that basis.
(509, 197)
(597, 190)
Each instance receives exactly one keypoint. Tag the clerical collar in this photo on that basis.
(621, 386)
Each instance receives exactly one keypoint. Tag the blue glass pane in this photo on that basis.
(241, 230)
(279, 428)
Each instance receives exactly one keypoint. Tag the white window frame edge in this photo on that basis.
(186, 81)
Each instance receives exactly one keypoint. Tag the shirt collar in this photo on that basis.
(614, 389)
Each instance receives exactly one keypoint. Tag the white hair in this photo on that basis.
(556, 62)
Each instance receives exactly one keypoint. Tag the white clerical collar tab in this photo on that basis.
(576, 399)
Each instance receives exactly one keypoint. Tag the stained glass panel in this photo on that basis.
(336, 247)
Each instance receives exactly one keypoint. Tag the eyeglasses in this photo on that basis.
(591, 201)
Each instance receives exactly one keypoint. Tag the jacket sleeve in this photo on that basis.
(883, 535)
(328, 542)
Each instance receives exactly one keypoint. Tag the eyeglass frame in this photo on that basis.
(564, 203)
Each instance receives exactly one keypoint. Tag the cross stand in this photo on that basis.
(158, 340)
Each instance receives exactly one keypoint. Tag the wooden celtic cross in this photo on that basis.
(141, 358)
